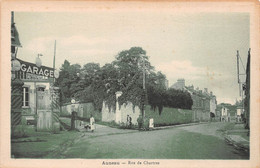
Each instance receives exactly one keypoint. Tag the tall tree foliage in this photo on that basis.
(92, 83)
(68, 80)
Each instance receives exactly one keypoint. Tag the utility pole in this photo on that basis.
(239, 81)
(144, 88)
(144, 91)
(54, 57)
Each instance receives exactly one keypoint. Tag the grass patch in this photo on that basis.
(169, 116)
(41, 143)
(226, 127)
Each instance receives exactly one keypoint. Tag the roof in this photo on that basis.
(198, 93)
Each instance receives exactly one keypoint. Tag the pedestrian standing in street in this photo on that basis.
(92, 123)
(140, 122)
(130, 122)
(151, 125)
(127, 121)
(73, 120)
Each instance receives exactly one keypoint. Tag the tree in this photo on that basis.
(156, 90)
(178, 99)
(68, 80)
(92, 83)
(129, 65)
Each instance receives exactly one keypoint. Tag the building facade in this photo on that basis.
(225, 114)
(239, 113)
(204, 102)
(40, 99)
(179, 85)
(34, 100)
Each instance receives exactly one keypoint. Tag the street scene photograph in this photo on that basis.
(122, 84)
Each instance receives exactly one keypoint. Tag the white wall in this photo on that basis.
(130, 110)
(213, 105)
(107, 115)
(239, 111)
(32, 94)
(224, 111)
(124, 110)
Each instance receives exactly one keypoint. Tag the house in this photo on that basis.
(232, 110)
(204, 102)
(179, 85)
(239, 113)
(34, 100)
(225, 114)
(40, 100)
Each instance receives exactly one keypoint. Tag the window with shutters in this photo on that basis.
(25, 96)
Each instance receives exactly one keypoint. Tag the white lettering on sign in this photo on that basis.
(35, 70)
(31, 69)
(23, 67)
(41, 72)
(46, 73)
(33, 76)
(51, 73)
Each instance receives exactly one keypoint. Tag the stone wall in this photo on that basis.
(213, 105)
(107, 114)
(68, 108)
(200, 115)
(122, 112)
(83, 110)
(132, 111)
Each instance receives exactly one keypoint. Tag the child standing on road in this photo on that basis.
(92, 123)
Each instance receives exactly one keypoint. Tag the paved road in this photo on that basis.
(202, 141)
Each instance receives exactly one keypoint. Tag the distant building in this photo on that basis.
(203, 101)
(225, 114)
(232, 111)
(179, 85)
(240, 111)
(166, 83)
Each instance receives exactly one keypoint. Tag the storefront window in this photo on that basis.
(25, 97)
(41, 89)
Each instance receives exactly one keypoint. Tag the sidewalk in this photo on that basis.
(179, 125)
(238, 137)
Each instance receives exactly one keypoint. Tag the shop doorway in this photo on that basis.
(43, 107)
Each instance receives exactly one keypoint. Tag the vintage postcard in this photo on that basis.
(129, 84)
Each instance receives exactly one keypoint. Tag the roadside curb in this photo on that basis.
(163, 127)
(180, 125)
(240, 145)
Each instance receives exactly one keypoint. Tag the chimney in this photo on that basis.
(191, 87)
(206, 90)
(211, 94)
(181, 83)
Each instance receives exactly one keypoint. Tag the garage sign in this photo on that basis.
(31, 68)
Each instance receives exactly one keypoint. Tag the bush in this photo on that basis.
(55, 128)
(18, 131)
(169, 116)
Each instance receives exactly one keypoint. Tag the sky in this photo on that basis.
(199, 47)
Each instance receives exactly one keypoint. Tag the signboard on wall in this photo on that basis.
(31, 68)
(34, 77)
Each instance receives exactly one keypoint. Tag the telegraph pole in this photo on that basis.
(144, 88)
(238, 79)
(144, 91)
